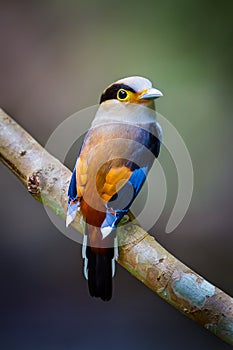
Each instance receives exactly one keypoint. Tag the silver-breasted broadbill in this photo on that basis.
(115, 158)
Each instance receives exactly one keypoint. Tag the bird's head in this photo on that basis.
(136, 90)
(129, 100)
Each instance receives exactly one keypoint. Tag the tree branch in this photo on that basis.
(47, 180)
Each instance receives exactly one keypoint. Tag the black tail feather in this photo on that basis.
(100, 273)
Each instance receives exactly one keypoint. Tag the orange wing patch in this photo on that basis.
(81, 176)
(115, 180)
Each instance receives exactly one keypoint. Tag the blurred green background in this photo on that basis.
(56, 58)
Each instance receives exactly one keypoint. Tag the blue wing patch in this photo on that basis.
(158, 135)
(137, 179)
(72, 191)
(73, 202)
(152, 139)
(120, 203)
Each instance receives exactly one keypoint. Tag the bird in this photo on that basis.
(112, 165)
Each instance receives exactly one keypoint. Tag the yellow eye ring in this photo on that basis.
(122, 95)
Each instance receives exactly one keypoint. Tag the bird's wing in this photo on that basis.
(118, 203)
(76, 189)
(115, 179)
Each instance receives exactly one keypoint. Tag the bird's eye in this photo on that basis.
(122, 95)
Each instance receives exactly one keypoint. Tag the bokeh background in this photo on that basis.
(56, 58)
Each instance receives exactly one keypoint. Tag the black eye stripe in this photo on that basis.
(111, 92)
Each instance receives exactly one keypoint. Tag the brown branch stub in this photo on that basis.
(22, 153)
(33, 184)
(47, 180)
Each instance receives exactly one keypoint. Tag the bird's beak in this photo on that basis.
(150, 94)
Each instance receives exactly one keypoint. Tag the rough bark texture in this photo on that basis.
(47, 180)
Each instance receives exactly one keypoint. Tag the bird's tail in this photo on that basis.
(100, 273)
(99, 268)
